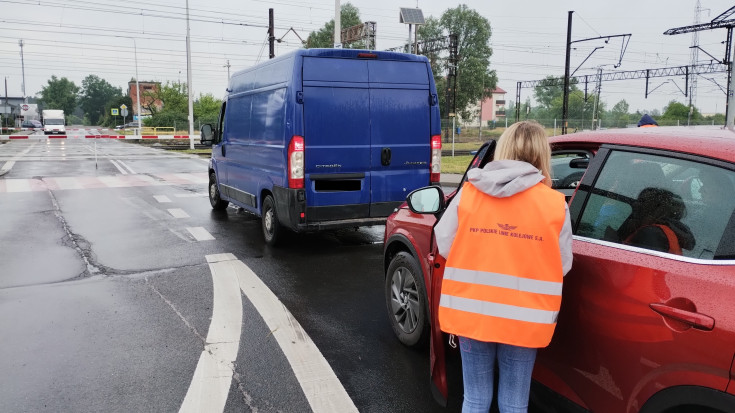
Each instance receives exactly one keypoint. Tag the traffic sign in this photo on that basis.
(123, 107)
(114, 111)
(25, 107)
(124, 112)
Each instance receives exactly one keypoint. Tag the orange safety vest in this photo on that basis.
(503, 276)
(674, 247)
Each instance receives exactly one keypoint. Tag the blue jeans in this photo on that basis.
(478, 367)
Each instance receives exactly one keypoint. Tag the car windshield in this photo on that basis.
(54, 121)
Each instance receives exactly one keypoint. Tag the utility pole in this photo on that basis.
(23, 71)
(271, 37)
(565, 100)
(694, 57)
(228, 70)
(337, 26)
(188, 80)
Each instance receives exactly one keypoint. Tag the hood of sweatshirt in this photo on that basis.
(504, 178)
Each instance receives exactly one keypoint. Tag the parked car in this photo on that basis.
(32, 125)
(129, 125)
(643, 326)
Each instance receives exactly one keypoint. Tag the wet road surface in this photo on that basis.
(107, 293)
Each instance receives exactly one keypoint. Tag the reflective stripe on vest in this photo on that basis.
(503, 277)
(487, 308)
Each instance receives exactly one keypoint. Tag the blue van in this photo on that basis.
(325, 138)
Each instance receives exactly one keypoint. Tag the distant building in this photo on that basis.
(14, 111)
(148, 92)
(491, 109)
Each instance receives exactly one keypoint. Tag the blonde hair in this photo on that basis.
(526, 141)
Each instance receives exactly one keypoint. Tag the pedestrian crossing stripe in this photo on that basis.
(92, 182)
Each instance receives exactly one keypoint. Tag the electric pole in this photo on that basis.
(271, 37)
(565, 100)
(23, 71)
(228, 69)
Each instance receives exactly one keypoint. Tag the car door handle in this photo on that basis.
(224, 150)
(696, 320)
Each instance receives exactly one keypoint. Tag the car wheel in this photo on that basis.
(405, 299)
(271, 227)
(572, 181)
(214, 199)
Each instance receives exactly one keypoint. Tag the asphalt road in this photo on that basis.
(119, 292)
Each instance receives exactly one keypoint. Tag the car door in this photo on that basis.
(635, 319)
(438, 340)
(219, 152)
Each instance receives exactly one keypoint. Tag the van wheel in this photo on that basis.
(405, 299)
(271, 227)
(214, 199)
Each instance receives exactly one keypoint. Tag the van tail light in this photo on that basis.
(436, 158)
(296, 162)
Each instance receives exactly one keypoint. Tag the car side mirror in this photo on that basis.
(207, 136)
(579, 163)
(427, 200)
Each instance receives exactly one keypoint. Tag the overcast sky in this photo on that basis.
(75, 38)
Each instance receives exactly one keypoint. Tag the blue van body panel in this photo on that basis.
(367, 125)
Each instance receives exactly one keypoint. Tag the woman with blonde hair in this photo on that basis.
(508, 242)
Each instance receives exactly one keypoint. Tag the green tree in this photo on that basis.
(96, 93)
(59, 94)
(206, 109)
(475, 80)
(349, 16)
(619, 115)
(676, 111)
(173, 97)
(111, 121)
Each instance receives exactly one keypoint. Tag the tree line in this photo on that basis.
(91, 103)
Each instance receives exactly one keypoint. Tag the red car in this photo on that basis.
(647, 322)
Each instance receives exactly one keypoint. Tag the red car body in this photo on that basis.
(639, 329)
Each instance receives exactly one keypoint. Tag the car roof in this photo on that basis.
(710, 141)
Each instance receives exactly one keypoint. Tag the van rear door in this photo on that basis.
(336, 138)
(400, 137)
(367, 135)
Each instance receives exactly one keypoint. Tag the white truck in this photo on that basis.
(53, 121)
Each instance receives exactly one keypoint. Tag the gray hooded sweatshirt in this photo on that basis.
(500, 179)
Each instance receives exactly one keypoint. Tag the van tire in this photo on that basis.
(214, 199)
(269, 219)
(406, 300)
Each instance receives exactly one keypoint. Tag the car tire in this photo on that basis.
(218, 204)
(572, 180)
(406, 300)
(269, 219)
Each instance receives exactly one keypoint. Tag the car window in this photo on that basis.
(482, 157)
(567, 169)
(660, 203)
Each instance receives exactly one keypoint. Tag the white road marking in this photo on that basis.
(321, 386)
(67, 183)
(200, 234)
(211, 382)
(9, 164)
(178, 213)
(162, 198)
(119, 168)
(126, 166)
(18, 185)
(114, 181)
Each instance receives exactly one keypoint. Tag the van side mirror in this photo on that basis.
(207, 136)
(427, 200)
